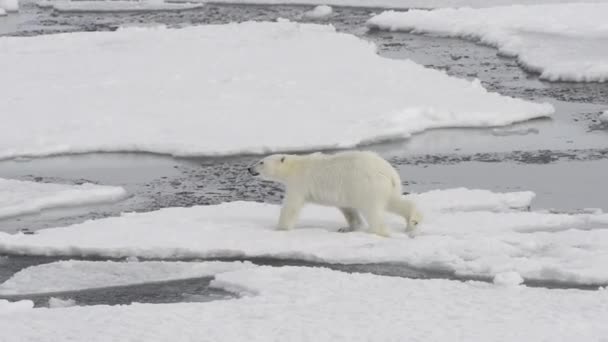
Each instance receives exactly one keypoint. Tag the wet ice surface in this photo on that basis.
(564, 160)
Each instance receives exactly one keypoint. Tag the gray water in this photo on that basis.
(563, 159)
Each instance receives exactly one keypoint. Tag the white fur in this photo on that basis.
(355, 182)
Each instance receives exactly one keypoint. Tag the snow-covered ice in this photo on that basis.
(61, 303)
(8, 307)
(198, 91)
(399, 4)
(459, 235)
(604, 116)
(316, 304)
(76, 275)
(566, 42)
(319, 12)
(9, 5)
(2, 12)
(508, 279)
(117, 6)
(25, 197)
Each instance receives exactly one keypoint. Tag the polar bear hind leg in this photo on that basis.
(375, 220)
(407, 210)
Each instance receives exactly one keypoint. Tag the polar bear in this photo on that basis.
(355, 182)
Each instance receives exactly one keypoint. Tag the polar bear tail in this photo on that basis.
(406, 209)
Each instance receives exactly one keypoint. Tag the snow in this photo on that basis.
(400, 4)
(117, 6)
(76, 275)
(316, 304)
(463, 199)
(61, 303)
(508, 279)
(604, 116)
(211, 84)
(7, 307)
(2, 12)
(25, 197)
(319, 12)
(9, 5)
(561, 42)
(459, 235)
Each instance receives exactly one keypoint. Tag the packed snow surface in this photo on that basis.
(25, 197)
(117, 6)
(561, 42)
(318, 12)
(461, 233)
(226, 89)
(398, 4)
(76, 275)
(316, 304)
(9, 5)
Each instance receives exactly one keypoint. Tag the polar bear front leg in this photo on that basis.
(289, 212)
(352, 218)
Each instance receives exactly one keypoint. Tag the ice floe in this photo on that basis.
(25, 197)
(200, 90)
(561, 42)
(8, 307)
(316, 304)
(117, 6)
(55, 302)
(74, 275)
(508, 279)
(321, 11)
(9, 6)
(460, 235)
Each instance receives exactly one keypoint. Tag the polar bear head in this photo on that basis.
(275, 167)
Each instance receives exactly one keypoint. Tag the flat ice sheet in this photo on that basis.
(561, 42)
(24, 197)
(315, 304)
(74, 275)
(226, 89)
(461, 233)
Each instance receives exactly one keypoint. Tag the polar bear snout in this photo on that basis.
(252, 171)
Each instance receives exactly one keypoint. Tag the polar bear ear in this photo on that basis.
(282, 159)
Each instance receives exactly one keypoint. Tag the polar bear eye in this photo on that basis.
(282, 159)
